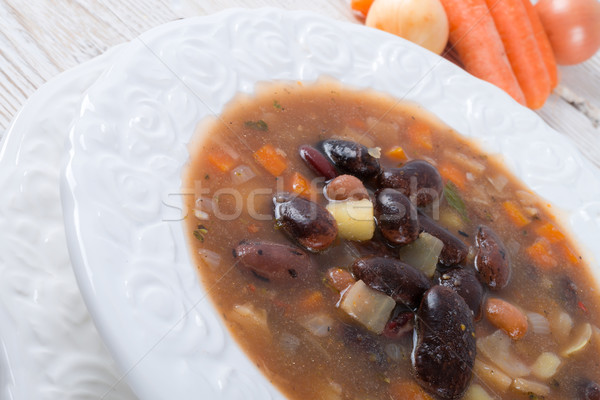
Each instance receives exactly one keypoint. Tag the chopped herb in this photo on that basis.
(465, 234)
(206, 176)
(200, 232)
(488, 216)
(259, 125)
(276, 104)
(455, 200)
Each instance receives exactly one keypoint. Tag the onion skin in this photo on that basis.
(573, 28)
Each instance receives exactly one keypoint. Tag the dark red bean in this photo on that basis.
(467, 285)
(274, 262)
(590, 391)
(444, 350)
(454, 250)
(317, 162)
(351, 158)
(400, 281)
(417, 179)
(306, 222)
(492, 259)
(396, 216)
(400, 324)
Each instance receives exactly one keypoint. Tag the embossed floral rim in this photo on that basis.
(121, 185)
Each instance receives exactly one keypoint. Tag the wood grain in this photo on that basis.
(41, 38)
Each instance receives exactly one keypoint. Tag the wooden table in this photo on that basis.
(41, 38)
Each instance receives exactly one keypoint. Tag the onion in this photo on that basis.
(538, 323)
(318, 324)
(498, 348)
(499, 182)
(573, 28)
(211, 258)
(423, 22)
(241, 174)
(289, 343)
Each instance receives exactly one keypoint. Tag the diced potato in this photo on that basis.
(530, 387)
(492, 375)
(546, 365)
(582, 338)
(368, 306)
(249, 316)
(498, 349)
(354, 219)
(476, 392)
(423, 253)
(451, 220)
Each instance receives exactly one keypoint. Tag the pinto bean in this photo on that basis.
(306, 222)
(396, 216)
(454, 250)
(417, 178)
(317, 162)
(491, 261)
(346, 187)
(444, 350)
(467, 285)
(398, 280)
(351, 158)
(274, 262)
(507, 317)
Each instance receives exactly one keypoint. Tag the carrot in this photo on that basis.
(549, 231)
(299, 185)
(522, 50)
(361, 6)
(420, 135)
(271, 159)
(223, 161)
(397, 153)
(478, 44)
(515, 214)
(543, 43)
(541, 254)
(311, 302)
(407, 390)
(451, 173)
(507, 317)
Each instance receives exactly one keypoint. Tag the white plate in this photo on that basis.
(121, 188)
(50, 347)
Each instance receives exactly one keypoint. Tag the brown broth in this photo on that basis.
(304, 366)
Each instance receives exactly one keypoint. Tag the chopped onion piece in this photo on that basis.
(499, 182)
(491, 375)
(241, 174)
(246, 314)
(582, 338)
(476, 392)
(318, 324)
(561, 325)
(538, 323)
(368, 306)
(466, 161)
(289, 343)
(211, 258)
(530, 387)
(497, 348)
(546, 365)
(423, 253)
(396, 352)
(201, 215)
(375, 152)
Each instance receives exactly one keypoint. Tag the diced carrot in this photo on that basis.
(397, 153)
(522, 50)
(299, 185)
(543, 43)
(340, 279)
(253, 228)
(541, 254)
(507, 317)
(407, 390)
(420, 135)
(312, 302)
(454, 174)
(361, 6)
(569, 254)
(515, 214)
(478, 44)
(223, 161)
(271, 160)
(550, 232)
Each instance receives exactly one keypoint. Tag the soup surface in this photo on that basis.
(357, 248)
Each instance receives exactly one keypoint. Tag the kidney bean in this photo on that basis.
(398, 280)
(346, 187)
(351, 158)
(589, 391)
(400, 324)
(308, 223)
(464, 282)
(454, 250)
(491, 260)
(317, 162)
(417, 179)
(274, 262)
(444, 350)
(396, 216)
(366, 343)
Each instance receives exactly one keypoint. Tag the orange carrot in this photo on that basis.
(522, 50)
(299, 185)
(311, 302)
(549, 231)
(397, 153)
(507, 317)
(541, 254)
(543, 43)
(221, 160)
(420, 135)
(476, 40)
(456, 175)
(271, 159)
(361, 6)
(515, 214)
